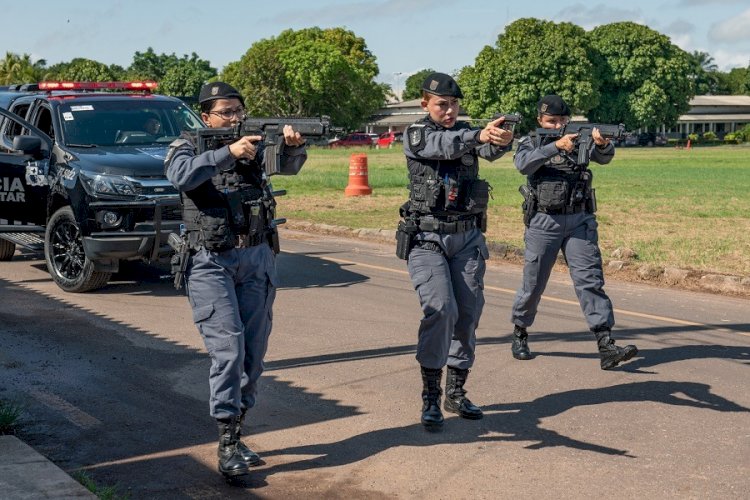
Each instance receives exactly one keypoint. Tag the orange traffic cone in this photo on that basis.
(358, 178)
(688, 144)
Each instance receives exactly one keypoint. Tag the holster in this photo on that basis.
(529, 204)
(407, 228)
(179, 261)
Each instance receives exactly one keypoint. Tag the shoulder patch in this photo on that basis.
(416, 135)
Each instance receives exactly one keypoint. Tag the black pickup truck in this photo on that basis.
(82, 176)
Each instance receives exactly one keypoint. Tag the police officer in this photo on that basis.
(441, 235)
(231, 276)
(564, 220)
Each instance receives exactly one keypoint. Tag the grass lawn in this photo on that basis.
(677, 207)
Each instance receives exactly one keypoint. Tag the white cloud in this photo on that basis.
(734, 29)
(588, 17)
(728, 59)
(701, 3)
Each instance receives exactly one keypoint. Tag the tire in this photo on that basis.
(7, 249)
(66, 261)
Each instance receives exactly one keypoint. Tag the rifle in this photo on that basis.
(272, 132)
(584, 140)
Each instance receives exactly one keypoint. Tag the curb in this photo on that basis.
(25, 474)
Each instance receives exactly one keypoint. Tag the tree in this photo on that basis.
(735, 82)
(703, 73)
(84, 70)
(644, 78)
(20, 69)
(530, 59)
(178, 76)
(309, 72)
(413, 84)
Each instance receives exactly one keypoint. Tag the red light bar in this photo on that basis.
(144, 85)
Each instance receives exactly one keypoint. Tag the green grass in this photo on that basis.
(684, 208)
(10, 413)
(103, 492)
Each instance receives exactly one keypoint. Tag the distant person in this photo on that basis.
(231, 274)
(564, 220)
(152, 126)
(441, 236)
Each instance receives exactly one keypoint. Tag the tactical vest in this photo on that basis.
(561, 184)
(447, 187)
(233, 203)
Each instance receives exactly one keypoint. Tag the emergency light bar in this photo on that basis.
(144, 85)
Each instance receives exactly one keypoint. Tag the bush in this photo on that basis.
(693, 138)
(709, 136)
(10, 412)
(733, 138)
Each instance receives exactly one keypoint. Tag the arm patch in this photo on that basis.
(416, 138)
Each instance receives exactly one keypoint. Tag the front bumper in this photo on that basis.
(147, 239)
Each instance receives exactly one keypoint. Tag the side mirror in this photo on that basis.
(27, 144)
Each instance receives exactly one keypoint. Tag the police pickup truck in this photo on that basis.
(82, 175)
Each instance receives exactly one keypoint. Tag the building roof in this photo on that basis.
(720, 100)
(697, 117)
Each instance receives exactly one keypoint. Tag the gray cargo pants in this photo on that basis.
(231, 294)
(451, 292)
(578, 238)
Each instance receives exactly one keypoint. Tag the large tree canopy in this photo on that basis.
(307, 73)
(531, 59)
(85, 70)
(178, 76)
(643, 77)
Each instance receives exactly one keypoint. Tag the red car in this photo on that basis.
(387, 139)
(352, 140)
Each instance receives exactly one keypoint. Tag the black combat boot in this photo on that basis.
(249, 456)
(612, 355)
(455, 395)
(520, 347)
(432, 417)
(231, 463)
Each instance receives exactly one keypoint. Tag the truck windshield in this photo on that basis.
(125, 122)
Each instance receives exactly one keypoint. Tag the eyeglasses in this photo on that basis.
(227, 114)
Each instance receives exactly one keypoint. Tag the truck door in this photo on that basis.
(24, 164)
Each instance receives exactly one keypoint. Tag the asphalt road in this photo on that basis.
(114, 383)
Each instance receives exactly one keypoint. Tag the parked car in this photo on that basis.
(352, 140)
(388, 139)
(651, 139)
(374, 138)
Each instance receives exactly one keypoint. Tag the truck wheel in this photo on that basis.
(7, 249)
(66, 261)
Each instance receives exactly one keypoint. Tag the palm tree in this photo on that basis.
(20, 69)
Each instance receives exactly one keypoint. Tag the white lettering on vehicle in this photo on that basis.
(11, 189)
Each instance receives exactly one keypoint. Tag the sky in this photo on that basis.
(404, 35)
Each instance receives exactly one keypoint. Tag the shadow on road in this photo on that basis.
(507, 422)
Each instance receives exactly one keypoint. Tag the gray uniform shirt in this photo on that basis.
(451, 144)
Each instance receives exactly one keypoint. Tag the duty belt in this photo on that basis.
(447, 226)
(566, 210)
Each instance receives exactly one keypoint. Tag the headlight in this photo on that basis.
(103, 184)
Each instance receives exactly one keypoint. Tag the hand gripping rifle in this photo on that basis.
(584, 141)
(272, 132)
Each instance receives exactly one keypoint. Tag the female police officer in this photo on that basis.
(443, 222)
(231, 276)
(563, 221)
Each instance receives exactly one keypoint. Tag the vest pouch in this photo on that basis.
(424, 195)
(478, 195)
(552, 194)
(215, 230)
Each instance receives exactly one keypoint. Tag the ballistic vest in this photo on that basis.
(446, 187)
(560, 182)
(235, 202)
